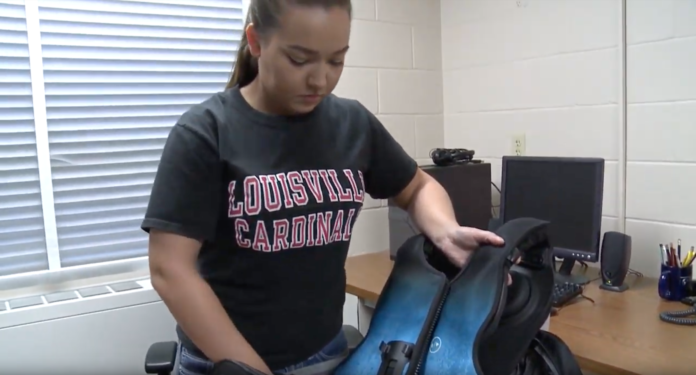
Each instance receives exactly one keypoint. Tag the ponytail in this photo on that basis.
(245, 66)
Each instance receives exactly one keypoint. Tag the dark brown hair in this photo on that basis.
(265, 15)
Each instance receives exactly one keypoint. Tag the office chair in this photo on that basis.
(161, 356)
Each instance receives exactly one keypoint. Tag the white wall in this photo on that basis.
(548, 70)
(394, 69)
(107, 333)
(661, 176)
(109, 342)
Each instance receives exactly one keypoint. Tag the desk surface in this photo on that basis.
(620, 333)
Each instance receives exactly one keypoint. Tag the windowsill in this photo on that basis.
(43, 296)
(80, 303)
(40, 283)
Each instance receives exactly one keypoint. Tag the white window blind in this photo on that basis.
(22, 241)
(117, 76)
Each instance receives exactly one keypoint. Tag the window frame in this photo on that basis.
(56, 277)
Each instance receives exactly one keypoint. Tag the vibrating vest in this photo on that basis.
(435, 319)
(432, 318)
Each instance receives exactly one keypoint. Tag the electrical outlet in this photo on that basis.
(518, 145)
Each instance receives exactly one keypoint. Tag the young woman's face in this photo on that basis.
(302, 61)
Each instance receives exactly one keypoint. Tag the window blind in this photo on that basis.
(22, 240)
(118, 74)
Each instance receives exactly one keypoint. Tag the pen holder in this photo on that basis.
(675, 282)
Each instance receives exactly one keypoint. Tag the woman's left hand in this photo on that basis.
(459, 243)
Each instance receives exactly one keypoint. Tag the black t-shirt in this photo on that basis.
(274, 200)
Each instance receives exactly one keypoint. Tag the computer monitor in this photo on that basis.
(566, 192)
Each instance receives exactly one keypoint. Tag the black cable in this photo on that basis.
(683, 318)
(635, 273)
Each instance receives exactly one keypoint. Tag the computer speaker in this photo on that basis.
(614, 261)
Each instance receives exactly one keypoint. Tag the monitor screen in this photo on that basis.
(567, 192)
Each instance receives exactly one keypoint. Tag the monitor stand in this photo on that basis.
(564, 274)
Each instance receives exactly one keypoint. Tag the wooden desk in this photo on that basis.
(620, 334)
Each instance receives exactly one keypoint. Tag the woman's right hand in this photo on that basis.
(192, 302)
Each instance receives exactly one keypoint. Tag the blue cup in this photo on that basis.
(675, 283)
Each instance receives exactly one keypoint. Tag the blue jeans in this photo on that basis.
(321, 363)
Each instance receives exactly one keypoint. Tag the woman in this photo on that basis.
(257, 192)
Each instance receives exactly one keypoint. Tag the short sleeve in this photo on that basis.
(186, 192)
(390, 168)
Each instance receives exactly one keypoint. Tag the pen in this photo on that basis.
(668, 255)
(670, 248)
(662, 253)
(679, 249)
(689, 258)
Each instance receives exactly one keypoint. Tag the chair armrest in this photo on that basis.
(353, 336)
(161, 358)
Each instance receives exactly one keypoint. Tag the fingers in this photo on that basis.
(487, 237)
(496, 240)
(472, 237)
